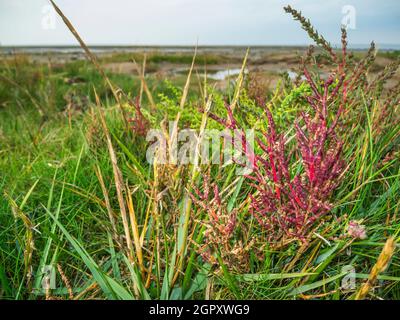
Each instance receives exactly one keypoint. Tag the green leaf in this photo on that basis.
(251, 277)
(110, 287)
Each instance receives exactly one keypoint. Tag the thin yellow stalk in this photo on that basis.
(187, 200)
(66, 281)
(88, 53)
(148, 279)
(107, 201)
(144, 85)
(117, 179)
(135, 232)
(83, 292)
(182, 102)
(201, 135)
(202, 93)
(141, 82)
(153, 200)
(91, 57)
(239, 82)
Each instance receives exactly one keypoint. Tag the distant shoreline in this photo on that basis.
(110, 48)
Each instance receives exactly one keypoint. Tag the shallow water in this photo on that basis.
(222, 74)
(293, 75)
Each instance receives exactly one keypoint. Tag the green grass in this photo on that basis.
(158, 57)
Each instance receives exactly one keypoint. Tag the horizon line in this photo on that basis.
(334, 45)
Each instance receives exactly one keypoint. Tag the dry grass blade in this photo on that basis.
(29, 244)
(183, 100)
(143, 83)
(182, 245)
(187, 84)
(117, 179)
(239, 82)
(92, 58)
(89, 54)
(107, 201)
(143, 73)
(66, 281)
(380, 266)
(135, 232)
(201, 135)
(93, 286)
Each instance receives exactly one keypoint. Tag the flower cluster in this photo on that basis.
(140, 123)
(219, 227)
(288, 204)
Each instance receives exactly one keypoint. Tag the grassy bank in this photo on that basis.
(316, 218)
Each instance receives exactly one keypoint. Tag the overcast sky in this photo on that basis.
(182, 22)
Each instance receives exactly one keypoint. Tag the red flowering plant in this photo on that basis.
(140, 124)
(288, 204)
(219, 228)
(292, 190)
